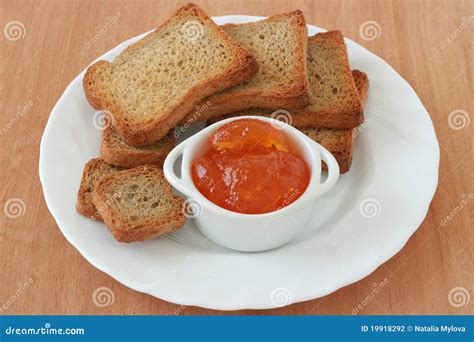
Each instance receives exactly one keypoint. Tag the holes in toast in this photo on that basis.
(329, 86)
(129, 198)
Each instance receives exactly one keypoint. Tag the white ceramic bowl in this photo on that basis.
(251, 232)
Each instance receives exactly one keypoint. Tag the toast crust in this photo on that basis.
(139, 134)
(291, 97)
(361, 81)
(344, 159)
(130, 156)
(144, 229)
(84, 205)
(90, 90)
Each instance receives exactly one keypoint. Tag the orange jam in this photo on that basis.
(250, 167)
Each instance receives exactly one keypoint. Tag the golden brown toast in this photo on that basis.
(334, 100)
(93, 171)
(115, 151)
(279, 45)
(138, 204)
(156, 81)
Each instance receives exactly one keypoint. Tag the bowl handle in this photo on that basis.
(333, 169)
(168, 168)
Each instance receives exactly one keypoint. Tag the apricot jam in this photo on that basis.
(250, 167)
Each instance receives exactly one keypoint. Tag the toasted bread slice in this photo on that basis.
(339, 142)
(362, 84)
(115, 151)
(279, 44)
(155, 82)
(335, 102)
(93, 171)
(138, 204)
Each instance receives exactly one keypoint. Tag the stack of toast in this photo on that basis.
(336, 98)
(190, 69)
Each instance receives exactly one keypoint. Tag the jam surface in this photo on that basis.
(250, 167)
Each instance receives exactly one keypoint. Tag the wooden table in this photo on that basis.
(425, 41)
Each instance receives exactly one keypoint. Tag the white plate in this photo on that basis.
(365, 220)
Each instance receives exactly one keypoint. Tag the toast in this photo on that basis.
(156, 81)
(93, 171)
(361, 81)
(279, 45)
(335, 102)
(339, 142)
(115, 151)
(137, 204)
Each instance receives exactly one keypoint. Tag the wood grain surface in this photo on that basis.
(430, 43)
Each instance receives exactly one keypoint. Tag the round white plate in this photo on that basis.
(365, 220)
